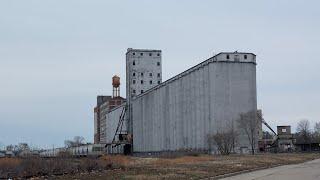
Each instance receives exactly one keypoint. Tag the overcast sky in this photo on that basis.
(57, 56)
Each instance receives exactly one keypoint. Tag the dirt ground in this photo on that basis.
(188, 167)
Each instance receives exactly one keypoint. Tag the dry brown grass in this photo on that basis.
(126, 167)
(9, 162)
(182, 160)
(35, 166)
(118, 160)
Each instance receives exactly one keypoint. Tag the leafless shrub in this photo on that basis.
(224, 141)
(35, 166)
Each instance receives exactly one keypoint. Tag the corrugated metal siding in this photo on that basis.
(181, 114)
(112, 120)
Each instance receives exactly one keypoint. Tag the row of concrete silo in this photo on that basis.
(179, 114)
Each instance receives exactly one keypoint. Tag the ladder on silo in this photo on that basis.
(120, 125)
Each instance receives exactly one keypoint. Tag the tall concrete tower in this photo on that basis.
(143, 71)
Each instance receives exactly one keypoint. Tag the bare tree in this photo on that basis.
(303, 130)
(249, 123)
(224, 141)
(316, 133)
(77, 141)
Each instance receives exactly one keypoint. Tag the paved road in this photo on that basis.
(306, 171)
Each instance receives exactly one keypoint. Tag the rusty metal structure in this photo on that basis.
(116, 86)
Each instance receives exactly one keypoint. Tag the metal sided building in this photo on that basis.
(112, 136)
(180, 113)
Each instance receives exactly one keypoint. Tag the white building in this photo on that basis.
(143, 72)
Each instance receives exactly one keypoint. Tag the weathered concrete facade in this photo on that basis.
(179, 114)
(112, 120)
(98, 114)
(143, 72)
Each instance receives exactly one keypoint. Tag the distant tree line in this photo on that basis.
(305, 134)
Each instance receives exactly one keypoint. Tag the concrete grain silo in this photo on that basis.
(180, 113)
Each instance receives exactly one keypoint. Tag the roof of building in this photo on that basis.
(184, 73)
(142, 50)
(117, 98)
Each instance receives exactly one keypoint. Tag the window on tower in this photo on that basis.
(134, 63)
(141, 81)
(150, 74)
(158, 63)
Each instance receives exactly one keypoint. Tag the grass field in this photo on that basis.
(192, 167)
(126, 167)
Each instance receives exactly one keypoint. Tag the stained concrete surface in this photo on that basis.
(306, 171)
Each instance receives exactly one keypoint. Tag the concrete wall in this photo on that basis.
(112, 120)
(179, 114)
(138, 62)
(141, 61)
(96, 126)
(103, 110)
(284, 130)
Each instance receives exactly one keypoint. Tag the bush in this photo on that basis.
(224, 141)
(35, 166)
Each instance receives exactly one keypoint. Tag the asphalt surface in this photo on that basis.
(306, 171)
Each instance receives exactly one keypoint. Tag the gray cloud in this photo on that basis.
(56, 56)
